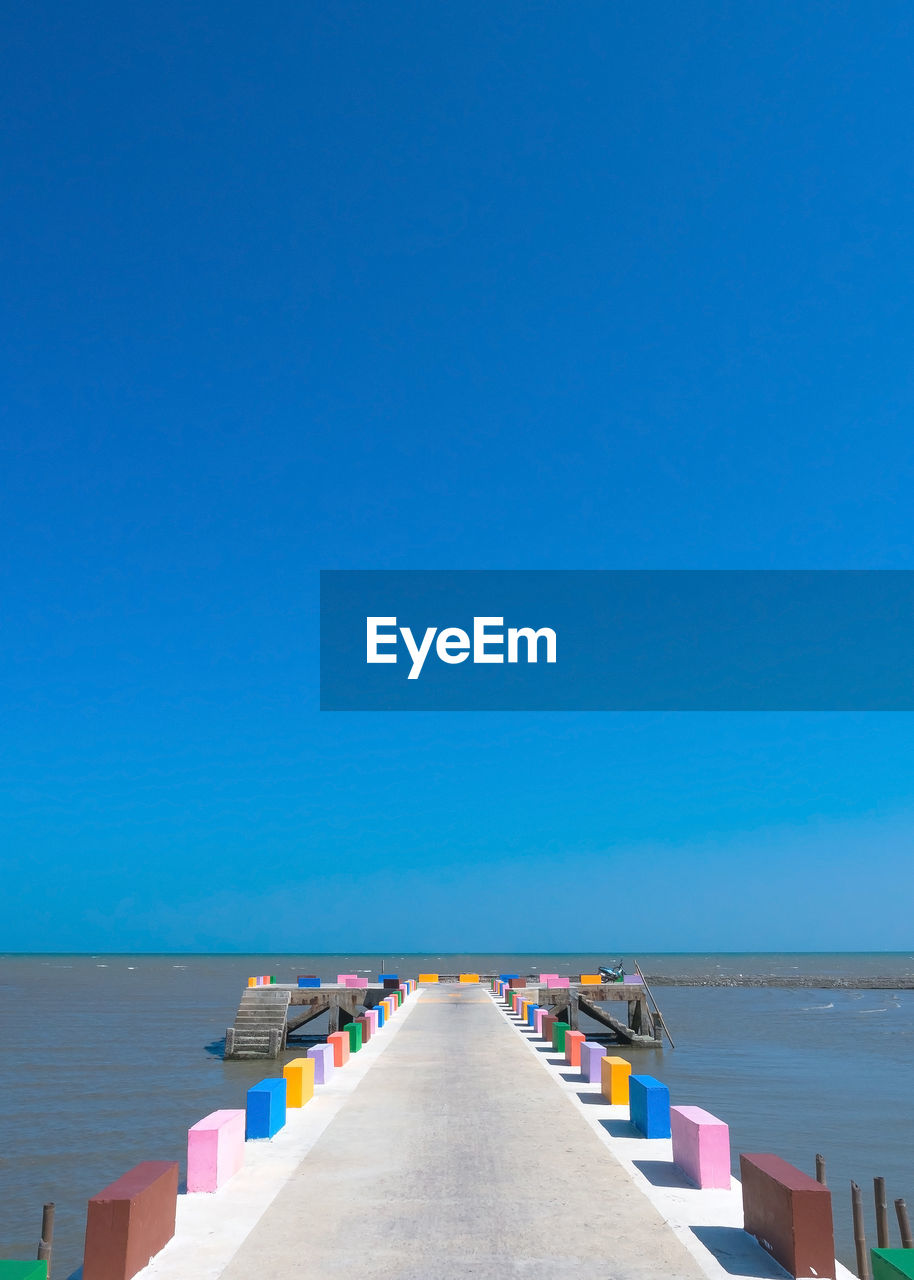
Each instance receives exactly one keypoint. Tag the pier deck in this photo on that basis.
(457, 1157)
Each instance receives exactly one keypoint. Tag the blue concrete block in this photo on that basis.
(379, 1009)
(506, 977)
(389, 977)
(530, 1012)
(649, 1106)
(309, 982)
(266, 1108)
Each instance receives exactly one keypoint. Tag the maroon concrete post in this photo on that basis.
(130, 1221)
(790, 1215)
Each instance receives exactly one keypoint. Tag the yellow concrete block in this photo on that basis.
(469, 977)
(525, 1009)
(428, 977)
(591, 979)
(614, 1074)
(299, 1074)
(252, 982)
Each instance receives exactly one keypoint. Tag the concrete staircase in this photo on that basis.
(260, 1024)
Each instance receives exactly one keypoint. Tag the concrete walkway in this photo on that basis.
(457, 1157)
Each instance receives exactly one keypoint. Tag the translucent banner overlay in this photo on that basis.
(617, 641)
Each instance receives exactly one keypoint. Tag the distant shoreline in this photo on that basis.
(774, 980)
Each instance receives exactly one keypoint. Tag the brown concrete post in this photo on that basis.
(790, 1215)
(130, 1221)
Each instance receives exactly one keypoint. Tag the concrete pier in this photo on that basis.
(457, 1146)
(457, 1157)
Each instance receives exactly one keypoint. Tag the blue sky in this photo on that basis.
(428, 286)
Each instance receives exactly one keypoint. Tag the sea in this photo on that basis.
(106, 1060)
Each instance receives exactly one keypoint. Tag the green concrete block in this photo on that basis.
(355, 1036)
(23, 1270)
(890, 1264)
(558, 1036)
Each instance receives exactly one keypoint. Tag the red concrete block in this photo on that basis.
(790, 1215)
(340, 1042)
(573, 1042)
(130, 1221)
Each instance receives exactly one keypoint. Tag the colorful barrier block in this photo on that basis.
(266, 1108)
(322, 1054)
(539, 1017)
(615, 1074)
(469, 977)
(888, 1264)
(789, 1213)
(506, 977)
(428, 977)
(558, 1036)
(215, 1150)
(252, 982)
(365, 1023)
(591, 979)
(531, 1014)
(342, 978)
(129, 1222)
(518, 982)
(389, 977)
(299, 1078)
(309, 982)
(354, 1031)
(592, 1055)
(374, 1021)
(398, 996)
(10, 1270)
(545, 977)
(701, 1147)
(340, 1042)
(649, 1106)
(557, 984)
(547, 1024)
(381, 1011)
(573, 1042)
(356, 982)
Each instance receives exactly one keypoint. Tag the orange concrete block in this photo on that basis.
(591, 979)
(428, 977)
(573, 1042)
(614, 1073)
(469, 977)
(299, 1076)
(340, 1042)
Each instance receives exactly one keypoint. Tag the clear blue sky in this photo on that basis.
(420, 285)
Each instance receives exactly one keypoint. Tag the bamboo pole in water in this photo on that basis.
(863, 1258)
(820, 1170)
(882, 1214)
(47, 1235)
(904, 1225)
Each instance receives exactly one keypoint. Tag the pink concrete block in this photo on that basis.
(215, 1150)
(592, 1055)
(372, 1016)
(355, 982)
(538, 1015)
(701, 1146)
(557, 982)
(573, 1042)
(544, 977)
(342, 977)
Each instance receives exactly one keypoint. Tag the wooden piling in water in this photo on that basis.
(863, 1258)
(820, 1170)
(882, 1214)
(45, 1244)
(904, 1225)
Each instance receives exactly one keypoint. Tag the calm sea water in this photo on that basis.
(107, 1060)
